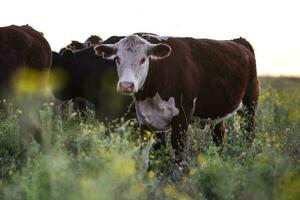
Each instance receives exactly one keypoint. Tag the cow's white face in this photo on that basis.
(132, 55)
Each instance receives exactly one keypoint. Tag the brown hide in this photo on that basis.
(21, 47)
(218, 73)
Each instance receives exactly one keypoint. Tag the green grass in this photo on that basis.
(85, 159)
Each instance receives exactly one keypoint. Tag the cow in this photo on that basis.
(25, 60)
(22, 47)
(73, 46)
(172, 79)
(90, 77)
(76, 45)
(92, 40)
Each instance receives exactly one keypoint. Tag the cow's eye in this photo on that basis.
(117, 59)
(142, 60)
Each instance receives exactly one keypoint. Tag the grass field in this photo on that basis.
(87, 160)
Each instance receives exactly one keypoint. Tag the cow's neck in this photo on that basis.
(155, 83)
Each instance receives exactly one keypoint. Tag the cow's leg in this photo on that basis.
(250, 103)
(179, 135)
(180, 125)
(146, 137)
(218, 133)
(178, 140)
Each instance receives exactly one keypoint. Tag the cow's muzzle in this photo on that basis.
(126, 87)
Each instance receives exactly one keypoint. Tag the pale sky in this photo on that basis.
(271, 26)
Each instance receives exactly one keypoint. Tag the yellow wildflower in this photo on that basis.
(192, 172)
(201, 160)
(151, 174)
(10, 172)
(170, 191)
(148, 133)
(152, 156)
(131, 123)
(124, 168)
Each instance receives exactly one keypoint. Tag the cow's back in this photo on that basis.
(22, 47)
(217, 73)
(21, 44)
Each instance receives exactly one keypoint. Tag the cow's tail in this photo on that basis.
(245, 43)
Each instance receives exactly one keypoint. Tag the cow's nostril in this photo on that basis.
(126, 86)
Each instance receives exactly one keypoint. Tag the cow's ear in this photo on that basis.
(105, 51)
(159, 51)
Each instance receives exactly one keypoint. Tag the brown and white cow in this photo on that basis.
(173, 79)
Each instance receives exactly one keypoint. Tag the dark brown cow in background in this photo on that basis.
(25, 60)
(21, 47)
(89, 77)
(72, 47)
(172, 79)
(75, 45)
(92, 41)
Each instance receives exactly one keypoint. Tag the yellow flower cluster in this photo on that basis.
(151, 174)
(201, 160)
(171, 192)
(123, 167)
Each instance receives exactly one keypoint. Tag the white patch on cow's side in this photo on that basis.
(214, 122)
(156, 113)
